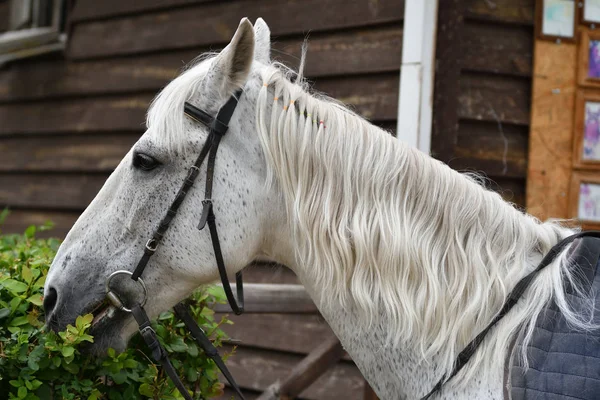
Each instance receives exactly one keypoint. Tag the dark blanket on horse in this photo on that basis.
(563, 363)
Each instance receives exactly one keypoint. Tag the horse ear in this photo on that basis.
(232, 65)
(262, 49)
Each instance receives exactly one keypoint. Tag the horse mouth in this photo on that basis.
(101, 312)
(105, 313)
(104, 328)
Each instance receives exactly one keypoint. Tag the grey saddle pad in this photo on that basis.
(564, 364)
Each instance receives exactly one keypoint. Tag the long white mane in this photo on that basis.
(398, 236)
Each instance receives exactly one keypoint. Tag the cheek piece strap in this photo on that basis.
(218, 127)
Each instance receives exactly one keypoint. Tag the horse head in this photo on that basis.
(112, 233)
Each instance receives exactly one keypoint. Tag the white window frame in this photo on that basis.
(34, 40)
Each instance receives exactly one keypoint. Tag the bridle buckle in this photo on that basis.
(151, 245)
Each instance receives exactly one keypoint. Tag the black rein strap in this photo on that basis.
(217, 128)
(512, 299)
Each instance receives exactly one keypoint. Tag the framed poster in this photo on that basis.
(586, 135)
(590, 12)
(556, 20)
(588, 70)
(584, 199)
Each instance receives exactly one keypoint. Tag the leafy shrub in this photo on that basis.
(36, 364)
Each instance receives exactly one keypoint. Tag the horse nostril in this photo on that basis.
(50, 301)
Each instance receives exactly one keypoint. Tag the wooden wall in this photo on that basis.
(483, 90)
(66, 121)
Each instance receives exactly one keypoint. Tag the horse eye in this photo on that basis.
(144, 162)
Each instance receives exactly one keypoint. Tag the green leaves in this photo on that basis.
(36, 299)
(67, 351)
(84, 322)
(14, 286)
(42, 365)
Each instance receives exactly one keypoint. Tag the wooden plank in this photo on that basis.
(358, 51)
(325, 354)
(18, 220)
(494, 98)
(49, 191)
(94, 9)
(59, 78)
(508, 11)
(256, 369)
(373, 96)
(265, 331)
(212, 23)
(494, 149)
(550, 145)
(273, 298)
(447, 77)
(511, 189)
(4, 15)
(337, 53)
(269, 273)
(89, 153)
(229, 394)
(369, 393)
(502, 49)
(82, 115)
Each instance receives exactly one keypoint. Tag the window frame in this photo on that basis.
(18, 43)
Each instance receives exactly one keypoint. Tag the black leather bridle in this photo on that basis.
(218, 127)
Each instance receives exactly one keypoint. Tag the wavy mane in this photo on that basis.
(400, 237)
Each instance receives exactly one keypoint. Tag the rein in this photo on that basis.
(218, 127)
(512, 299)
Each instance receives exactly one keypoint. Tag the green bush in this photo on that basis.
(36, 364)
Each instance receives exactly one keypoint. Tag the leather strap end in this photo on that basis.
(206, 211)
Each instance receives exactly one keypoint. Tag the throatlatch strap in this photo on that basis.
(512, 299)
(158, 353)
(183, 313)
(236, 306)
(208, 216)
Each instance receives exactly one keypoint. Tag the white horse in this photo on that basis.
(406, 259)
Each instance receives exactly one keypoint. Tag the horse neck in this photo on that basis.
(387, 238)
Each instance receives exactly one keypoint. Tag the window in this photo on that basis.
(35, 27)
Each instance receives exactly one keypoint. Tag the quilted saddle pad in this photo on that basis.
(564, 364)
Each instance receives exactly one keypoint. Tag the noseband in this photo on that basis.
(218, 127)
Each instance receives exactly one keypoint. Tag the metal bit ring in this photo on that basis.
(114, 298)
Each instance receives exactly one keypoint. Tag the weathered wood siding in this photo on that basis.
(66, 122)
(483, 89)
